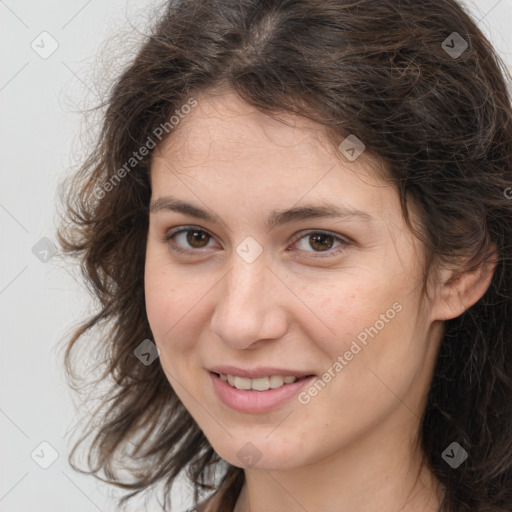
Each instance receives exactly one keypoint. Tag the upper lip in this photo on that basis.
(260, 371)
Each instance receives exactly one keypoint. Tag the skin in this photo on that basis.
(353, 447)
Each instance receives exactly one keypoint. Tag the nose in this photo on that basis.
(249, 307)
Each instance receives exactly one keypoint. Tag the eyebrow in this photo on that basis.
(276, 217)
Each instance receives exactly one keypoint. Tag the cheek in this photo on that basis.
(380, 341)
(174, 305)
(163, 307)
(350, 306)
(166, 309)
(371, 323)
(157, 297)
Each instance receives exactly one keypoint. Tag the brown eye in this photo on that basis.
(196, 238)
(187, 239)
(322, 242)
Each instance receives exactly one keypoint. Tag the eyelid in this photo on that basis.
(344, 240)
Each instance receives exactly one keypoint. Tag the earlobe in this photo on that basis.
(458, 290)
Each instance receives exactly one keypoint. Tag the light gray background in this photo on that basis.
(40, 302)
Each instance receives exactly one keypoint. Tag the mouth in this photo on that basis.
(261, 383)
(257, 395)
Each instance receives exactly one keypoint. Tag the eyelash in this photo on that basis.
(329, 253)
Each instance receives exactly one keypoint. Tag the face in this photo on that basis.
(337, 297)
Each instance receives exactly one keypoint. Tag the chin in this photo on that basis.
(251, 452)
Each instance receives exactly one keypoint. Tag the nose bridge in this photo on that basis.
(246, 309)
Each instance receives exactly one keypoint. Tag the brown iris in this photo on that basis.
(197, 236)
(320, 237)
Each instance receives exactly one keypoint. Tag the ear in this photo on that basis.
(457, 290)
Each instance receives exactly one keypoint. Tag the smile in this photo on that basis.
(257, 395)
(259, 384)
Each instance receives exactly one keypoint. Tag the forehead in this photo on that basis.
(223, 124)
(224, 129)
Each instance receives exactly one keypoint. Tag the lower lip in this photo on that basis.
(256, 401)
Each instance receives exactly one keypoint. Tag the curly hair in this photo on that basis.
(380, 69)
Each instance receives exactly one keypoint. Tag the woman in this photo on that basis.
(298, 223)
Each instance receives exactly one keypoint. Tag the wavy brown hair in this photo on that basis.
(379, 69)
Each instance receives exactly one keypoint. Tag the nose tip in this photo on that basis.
(247, 308)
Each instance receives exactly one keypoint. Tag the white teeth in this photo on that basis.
(259, 384)
(276, 381)
(242, 383)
